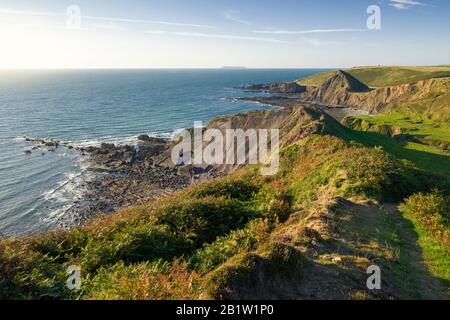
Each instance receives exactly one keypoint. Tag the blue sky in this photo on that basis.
(205, 33)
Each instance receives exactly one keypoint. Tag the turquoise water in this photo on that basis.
(87, 107)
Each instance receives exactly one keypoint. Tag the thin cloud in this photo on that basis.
(156, 32)
(235, 16)
(405, 4)
(318, 42)
(167, 23)
(109, 19)
(289, 32)
(214, 36)
(108, 26)
(28, 13)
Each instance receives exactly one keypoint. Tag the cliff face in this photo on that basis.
(294, 123)
(291, 122)
(427, 97)
(337, 90)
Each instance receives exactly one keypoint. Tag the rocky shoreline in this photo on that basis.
(128, 175)
(289, 94)
(337, 112)
(125, 175)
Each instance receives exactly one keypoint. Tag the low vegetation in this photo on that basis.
(407, 140)
(377, 77)
(222, 239)
(432, 210)
(308, 232)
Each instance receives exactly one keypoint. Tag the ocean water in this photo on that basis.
(88, 107)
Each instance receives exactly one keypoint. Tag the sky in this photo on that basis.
(47, 34)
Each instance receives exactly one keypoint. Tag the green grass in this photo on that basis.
(392, 76)
(424, 156)
(417, 126)
(429, 215)
(383, 76)
(432, 210)
(316, 80)
(434, 255)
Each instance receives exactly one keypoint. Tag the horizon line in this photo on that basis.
(226, 68)
(229, 68)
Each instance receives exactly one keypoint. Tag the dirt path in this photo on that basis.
(345, 237)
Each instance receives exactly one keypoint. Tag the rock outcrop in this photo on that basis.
(428, 97)
(150, 146)
(279, 87)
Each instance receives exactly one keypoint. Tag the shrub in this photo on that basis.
(26, 274)
(238, 241)
(203, 220)
(143, 281)
(134, 243)
(231, 188)
(370, 172)
(273, 201)
(433, 212)
(260, 275)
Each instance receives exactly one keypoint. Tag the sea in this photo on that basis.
(87, 107)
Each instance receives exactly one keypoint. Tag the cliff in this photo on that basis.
(430, 98)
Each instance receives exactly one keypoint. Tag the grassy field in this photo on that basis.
(391, 76)
(423, 150)
(425, 157)
(416, 126)
(384, 76)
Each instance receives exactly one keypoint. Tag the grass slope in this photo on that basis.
(376, 77)
(421, 141)
(392, 76)
(244, 236)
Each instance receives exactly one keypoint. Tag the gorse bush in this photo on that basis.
(143, 281)
(264, 271)
(370, 172)
(205, 219)
(273, 201)
(27, 274)
(433, 212)
(133, 244)
(228, 188)
(243, 240)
